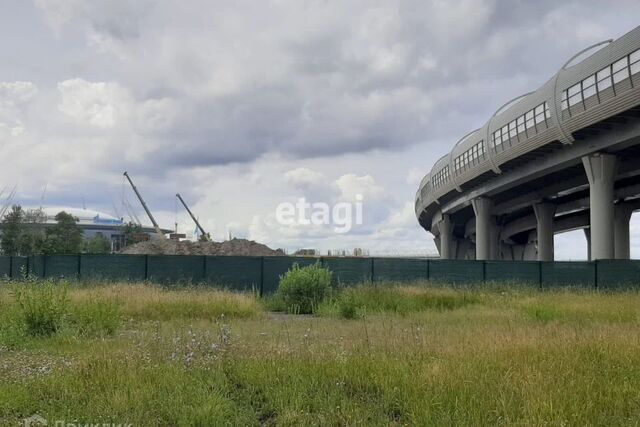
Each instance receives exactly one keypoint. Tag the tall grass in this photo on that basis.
(42, 306)
(355, 302)
(154, 303)
(418, 356)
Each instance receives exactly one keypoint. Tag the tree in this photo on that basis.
(32, 239)
(12, 229)
(65, 237)
(98, 244)
(129, 231)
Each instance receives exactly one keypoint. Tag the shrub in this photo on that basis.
(348, 307)
(98, 318)
(303, 288)
(42, 306)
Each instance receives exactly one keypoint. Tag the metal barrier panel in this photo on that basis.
(274, 267)
(348, 271)
(238, 273)
(36, 265)
(59, 266)
(456, 271)
(400, 270)
(525, 272)
(175, 269)
(568, 273)
(5, 266)
(253, 273)
(19, 266)
(113, 267)
(612, 274)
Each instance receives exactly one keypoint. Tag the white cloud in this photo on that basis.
(15, 99)
(415, 175)
(96, 103)
(305, 178)
(16, 94)
(157, 115)
(351, 186)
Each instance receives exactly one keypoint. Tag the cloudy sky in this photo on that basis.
(242, 105)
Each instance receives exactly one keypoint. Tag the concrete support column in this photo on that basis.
(482, 208)
(600, 169)
(587, 235)
(544, 216)
(622, 215)
(494, 243)
(446, 237)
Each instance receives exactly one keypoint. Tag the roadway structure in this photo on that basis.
(561, 158)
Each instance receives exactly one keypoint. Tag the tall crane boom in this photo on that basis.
(144, 205)
(204, 233)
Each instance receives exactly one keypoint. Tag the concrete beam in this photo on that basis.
(566, 187)
(620, 137)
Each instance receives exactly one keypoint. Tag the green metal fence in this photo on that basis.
(520, 272)
(262, 274)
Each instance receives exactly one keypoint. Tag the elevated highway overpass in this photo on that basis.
(563, 157)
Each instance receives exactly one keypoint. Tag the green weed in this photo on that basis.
(42, 306)
(302, 289)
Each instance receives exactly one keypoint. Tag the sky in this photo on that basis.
(241, 106)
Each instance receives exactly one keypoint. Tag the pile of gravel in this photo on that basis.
(238, 247)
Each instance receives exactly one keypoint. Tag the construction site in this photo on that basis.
(145, 239)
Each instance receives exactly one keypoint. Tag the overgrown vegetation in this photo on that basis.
(355, 302)
(24, 233)
(303, 289)
(42, 306)
(417, 355)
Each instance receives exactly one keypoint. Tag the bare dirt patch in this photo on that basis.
(239, 247)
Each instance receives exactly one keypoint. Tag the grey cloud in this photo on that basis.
(350, 79)
(218, 86)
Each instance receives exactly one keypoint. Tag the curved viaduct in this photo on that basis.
(564, 157)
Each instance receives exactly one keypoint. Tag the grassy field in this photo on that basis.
(412, 355)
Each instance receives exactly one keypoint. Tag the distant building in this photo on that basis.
(93, 222)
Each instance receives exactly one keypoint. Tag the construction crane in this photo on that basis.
(133, 217)
(144, 205)
(205, 235)
(8, 200)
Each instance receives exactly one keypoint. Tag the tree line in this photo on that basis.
(24, 233)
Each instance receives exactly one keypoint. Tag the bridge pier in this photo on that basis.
(494, 236)
(600, 169)
(544, 216)
(446, 237)
(622, 216)
(482, 208)
(587, 235)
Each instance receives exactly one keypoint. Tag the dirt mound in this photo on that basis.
(239, 247)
